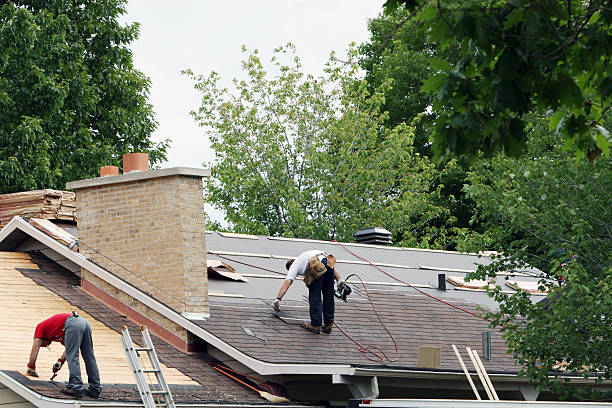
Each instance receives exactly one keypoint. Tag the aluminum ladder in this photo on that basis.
(148, 392)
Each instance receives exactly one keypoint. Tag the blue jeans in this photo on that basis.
(323, 285)
(78, 336)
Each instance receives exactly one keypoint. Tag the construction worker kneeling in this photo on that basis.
(319, 272)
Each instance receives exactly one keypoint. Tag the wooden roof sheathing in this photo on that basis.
(25, 304)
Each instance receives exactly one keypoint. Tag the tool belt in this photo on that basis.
(315, 270)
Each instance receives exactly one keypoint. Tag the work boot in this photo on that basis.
(327, 327)
(90, 392)
(311, 328)
(72, 392)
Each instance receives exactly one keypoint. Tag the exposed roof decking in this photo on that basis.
(25, 304)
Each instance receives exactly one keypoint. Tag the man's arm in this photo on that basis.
(281, 293)
(36, 345)
(284, 288)
(331, 262)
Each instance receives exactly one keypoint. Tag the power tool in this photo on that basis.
(342, 290)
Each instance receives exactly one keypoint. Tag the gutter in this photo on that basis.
(438, 403)
(260, 367)
(498, 377)
(41, 401)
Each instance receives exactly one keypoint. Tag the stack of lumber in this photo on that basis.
(47, 204)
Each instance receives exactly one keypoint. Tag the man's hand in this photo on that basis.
(58, 365)
(340, 285)
(276, 304)
(31, 371)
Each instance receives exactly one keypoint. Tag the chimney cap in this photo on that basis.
(143, 175)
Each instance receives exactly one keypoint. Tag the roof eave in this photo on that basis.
(41, 401)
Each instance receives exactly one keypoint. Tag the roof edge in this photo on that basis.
(41, 401)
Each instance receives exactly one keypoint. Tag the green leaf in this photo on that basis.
(433, 83)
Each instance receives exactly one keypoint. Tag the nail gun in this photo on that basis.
(342, 290)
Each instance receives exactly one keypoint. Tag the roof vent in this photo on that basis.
(376, 236)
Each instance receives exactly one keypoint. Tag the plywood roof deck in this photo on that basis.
(25, 304)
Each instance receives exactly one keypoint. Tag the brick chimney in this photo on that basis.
(147, 227)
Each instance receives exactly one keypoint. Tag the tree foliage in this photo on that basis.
(548, 211)
(399, 53)
(518, 57)
(309, 157)
(70, 99)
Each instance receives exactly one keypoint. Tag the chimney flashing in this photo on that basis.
(136, 176)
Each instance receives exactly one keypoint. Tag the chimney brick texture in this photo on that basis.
(148, 229)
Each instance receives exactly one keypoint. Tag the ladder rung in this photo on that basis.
(143, 349)
(151, 371)
(159, 392)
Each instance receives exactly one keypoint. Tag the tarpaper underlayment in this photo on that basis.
(25, 304)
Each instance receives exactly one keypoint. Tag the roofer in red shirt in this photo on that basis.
(74, 333)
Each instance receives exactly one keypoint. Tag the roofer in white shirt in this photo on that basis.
(319, 272)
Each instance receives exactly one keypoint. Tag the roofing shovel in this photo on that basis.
(263, 394)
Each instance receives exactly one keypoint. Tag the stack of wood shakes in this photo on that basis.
(48, 204)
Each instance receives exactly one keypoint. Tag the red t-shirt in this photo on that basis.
(52, 328)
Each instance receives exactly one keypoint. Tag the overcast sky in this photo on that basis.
(206, 35)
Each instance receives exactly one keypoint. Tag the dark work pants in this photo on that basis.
(323, 285)
(78, 336)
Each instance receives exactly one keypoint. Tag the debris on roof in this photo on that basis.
(55, 232)
(220, 270)
(530, 287)
(49, 204)
(472, 284)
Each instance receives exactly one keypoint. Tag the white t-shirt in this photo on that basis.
(298, 267)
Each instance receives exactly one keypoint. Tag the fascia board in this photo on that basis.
(497, 377)
(261, 367)
(453, 403)
(407, 373)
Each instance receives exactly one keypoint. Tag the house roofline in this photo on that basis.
(261, 367)
(42, 401)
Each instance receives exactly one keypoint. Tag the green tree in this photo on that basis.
(546, 210)
(398, 53)
(303, 156)
(518, 57)
(70, 98)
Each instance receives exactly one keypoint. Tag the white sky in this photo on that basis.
(206, 35)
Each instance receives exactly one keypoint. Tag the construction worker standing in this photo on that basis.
(319, 274)
(74, 333)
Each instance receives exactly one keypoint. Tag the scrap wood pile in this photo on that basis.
(48, 204)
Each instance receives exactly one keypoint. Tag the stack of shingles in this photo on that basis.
(49, 204)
